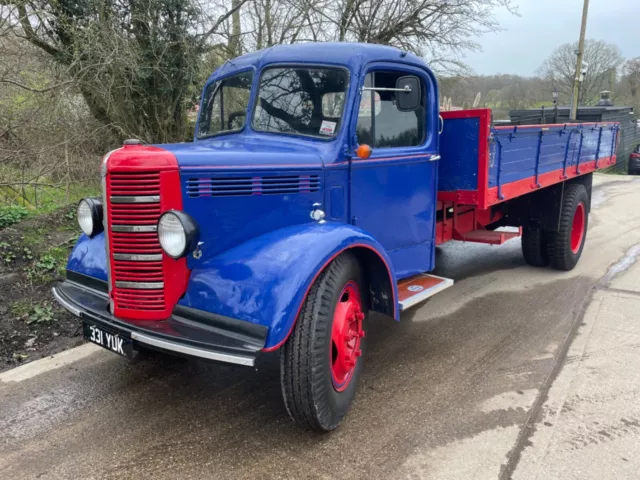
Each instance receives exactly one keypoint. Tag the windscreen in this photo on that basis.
(301, 101)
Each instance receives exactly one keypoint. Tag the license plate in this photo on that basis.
(111, 341)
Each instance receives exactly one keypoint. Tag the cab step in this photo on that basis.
(418, 288)
(492, 237)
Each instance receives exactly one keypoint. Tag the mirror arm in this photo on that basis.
(406, 89)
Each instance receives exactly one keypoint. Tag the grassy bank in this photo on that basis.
(34, 247)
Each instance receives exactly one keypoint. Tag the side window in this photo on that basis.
(225, 105)
(380, 123)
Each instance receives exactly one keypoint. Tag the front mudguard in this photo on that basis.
(89, 257)
(266, 279)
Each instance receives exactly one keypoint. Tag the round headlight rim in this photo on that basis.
(96, 211)
(190, 229)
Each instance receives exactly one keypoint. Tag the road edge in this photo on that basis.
(53, 362)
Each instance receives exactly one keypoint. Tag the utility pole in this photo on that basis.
(576, 82)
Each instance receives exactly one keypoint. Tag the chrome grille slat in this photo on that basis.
(134, 228)
(137, 257)
(135, 199)
(140, 285)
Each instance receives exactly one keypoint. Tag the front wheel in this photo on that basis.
(322, 360)
(564, 247)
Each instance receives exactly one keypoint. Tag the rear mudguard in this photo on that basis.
(266, 279)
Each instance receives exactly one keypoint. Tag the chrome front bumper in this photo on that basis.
(188, 332)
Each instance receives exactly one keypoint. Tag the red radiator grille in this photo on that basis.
(139, 299)
(135, 183)
(138, 271)
(140, 214)
(135, 242)
(136, 256)
(140, 183)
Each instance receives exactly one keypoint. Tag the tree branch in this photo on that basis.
(31, 34)
(36, 90)
(221, 19)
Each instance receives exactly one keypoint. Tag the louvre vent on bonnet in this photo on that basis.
(254, 185)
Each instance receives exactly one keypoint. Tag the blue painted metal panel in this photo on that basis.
(522, 153)
(248, 150)
(336, 181)
(229, 220)
(393, 192)
(410, 261)
(265, 279)
(89, 257)
(395, 203)
(458, 169)
(351, 55)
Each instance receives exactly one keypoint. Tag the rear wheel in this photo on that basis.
(534, 247)
(322, 359)
(564, 247)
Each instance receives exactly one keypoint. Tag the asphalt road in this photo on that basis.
(462, 387)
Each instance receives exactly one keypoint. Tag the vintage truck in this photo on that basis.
(320, 181)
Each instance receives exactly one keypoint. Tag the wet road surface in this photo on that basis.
(451, 391)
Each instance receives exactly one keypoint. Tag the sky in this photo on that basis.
(528, 39)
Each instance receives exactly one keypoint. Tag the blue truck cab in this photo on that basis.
(308, 198)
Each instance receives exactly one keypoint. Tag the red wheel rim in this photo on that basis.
(346, 335)
(577, 228)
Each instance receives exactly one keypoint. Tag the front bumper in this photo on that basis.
(187, 332)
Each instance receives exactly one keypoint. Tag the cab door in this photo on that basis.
(393, 191)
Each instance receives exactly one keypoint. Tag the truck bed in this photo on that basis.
(483, 165)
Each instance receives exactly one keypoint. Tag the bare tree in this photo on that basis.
(439, 30)
(631, 71)
(138, 63)
(435, 29)
(601, 57)
(133, 61)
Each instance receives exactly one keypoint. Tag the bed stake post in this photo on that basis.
(537, 185)
(497, 140)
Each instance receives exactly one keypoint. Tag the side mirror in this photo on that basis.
(408, 99)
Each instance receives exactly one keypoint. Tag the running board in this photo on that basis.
(414, 290)
(492, 237)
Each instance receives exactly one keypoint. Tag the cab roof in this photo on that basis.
(351, 55)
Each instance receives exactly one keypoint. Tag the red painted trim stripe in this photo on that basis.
(464, 197)
(471, 113)
(357, 161)
(483, 157)
(304, 298)
(257, 167)
(527, 185)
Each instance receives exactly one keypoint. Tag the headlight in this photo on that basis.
(178, 233)
(90, 216)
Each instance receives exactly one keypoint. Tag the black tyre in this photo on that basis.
(564, 247)
(322, 360)
(534, 247)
